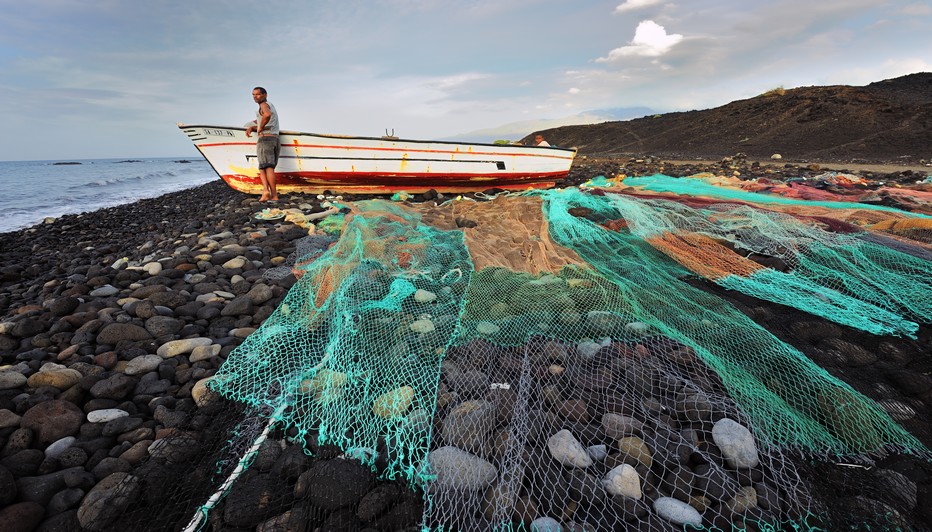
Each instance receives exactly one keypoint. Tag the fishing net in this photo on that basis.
(548, 362)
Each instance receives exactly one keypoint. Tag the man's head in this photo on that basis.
(538, 139)
(259, 94)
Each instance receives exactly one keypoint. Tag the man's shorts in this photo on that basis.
(267, 150)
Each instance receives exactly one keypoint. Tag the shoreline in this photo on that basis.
(584, 165)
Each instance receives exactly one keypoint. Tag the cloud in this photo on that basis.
(917, 10)
(573, 90)
(650, 40)
(631, 5)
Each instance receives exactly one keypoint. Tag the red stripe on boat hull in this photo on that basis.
(372, 183)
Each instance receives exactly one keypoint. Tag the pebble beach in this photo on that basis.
(110, 322)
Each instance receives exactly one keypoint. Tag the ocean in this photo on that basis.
(31, 191)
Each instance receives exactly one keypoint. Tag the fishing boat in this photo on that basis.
(316, 163)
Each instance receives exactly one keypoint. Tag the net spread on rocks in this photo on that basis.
(550, 368)
(541, 361)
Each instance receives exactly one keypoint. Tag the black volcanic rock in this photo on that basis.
(883, 121)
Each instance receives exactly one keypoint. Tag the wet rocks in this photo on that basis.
(459, 470)
(736, 443)
(52, 420)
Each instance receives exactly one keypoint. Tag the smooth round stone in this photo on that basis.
(236, 279)
(588, 348)
(545, 524)
(242, 332)
(209, 298)
(325, 379)
(677, 511)
(59, 377)
(417, 421)
(224, 294)
(636, 448)
(56, 448)
(181, 347)
(105, 291)
(423, 296)
(234, 249)
(8, 418)
(204, 352)
(623, 480)
(458, 470)
(201, 394)
(736, 443)
(124, 302)
(637, 327)
(603, 320)
(143, 364)
(11, 379)
(153, 268)
(597, 452)
(105, 415)
(567, 450)
(422, 326)
(468, 424)
(260, 293)
(618, 426)
(744, 500)
(234, 263)
(393, 404)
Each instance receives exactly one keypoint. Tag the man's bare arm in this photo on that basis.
(266, 115)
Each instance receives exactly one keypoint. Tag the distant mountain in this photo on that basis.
(517, 130)
(886, 120)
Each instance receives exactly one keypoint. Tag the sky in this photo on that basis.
(111, 78)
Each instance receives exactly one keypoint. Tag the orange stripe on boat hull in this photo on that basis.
(311, 183)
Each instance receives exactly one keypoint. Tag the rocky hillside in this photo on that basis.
(888, 120)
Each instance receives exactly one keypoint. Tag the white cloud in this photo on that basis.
(917, 10)
(631, 5)
(650, 40)
(573, 90)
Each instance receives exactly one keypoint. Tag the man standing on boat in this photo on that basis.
(267, 146)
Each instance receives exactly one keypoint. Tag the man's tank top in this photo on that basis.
(271, 128)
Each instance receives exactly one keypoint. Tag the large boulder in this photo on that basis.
(53, 420)
(107, 500)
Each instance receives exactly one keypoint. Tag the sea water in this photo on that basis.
(31, 191)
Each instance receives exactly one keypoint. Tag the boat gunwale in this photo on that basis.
(382, 139)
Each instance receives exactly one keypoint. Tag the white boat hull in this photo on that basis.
(317, 163)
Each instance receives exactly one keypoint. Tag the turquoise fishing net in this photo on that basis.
(395, 347)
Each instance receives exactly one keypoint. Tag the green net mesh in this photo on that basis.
(547, 362)
(355, 349)
(790, 399)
